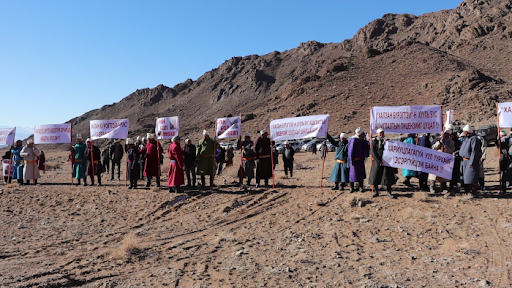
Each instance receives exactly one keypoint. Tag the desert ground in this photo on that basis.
(294, 235)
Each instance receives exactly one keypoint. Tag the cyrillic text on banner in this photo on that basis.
(104, 129)
(52, 134)
(299, 127)
(167, 127)
(407, 119)
(229, 127)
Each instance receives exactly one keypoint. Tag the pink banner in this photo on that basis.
(52, 134)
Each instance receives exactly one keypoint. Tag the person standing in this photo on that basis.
(471, 152)
(116, 154)
(175, 177)
(454, 182)
(406, 173)
(446, 145)
(358, 149)
(92, 152)
(380, 174)
(422, 176)
(40, 162)
(248, 159)
(205, 158)
(105, 158)
(340, 170)
(275, 155)
(506, 177)
(263, 153)
(79, 160)
(142, 158)
(18, 162)
(8, 171)
(153, 151)
(229, 155)
(29, 154)
(288, 153)
(220, 158)
(189, 154)
(481, 174)
(132, 165)
(313, 148)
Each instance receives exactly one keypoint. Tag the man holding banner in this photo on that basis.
(80, 162)
(340, 170)
(29, 154)
(18, 162)
(381, 174)
(205, 158)
(263, 152)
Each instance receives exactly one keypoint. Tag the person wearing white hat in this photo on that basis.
(471, 152)
(358, 149)
(153, 152)
(17, 173)
(133, 163)
(248, 159)
(446, 145)
(189, 155)
(80, 162)
(142, 158)
(262, 149)
(340, 170)
(205, 154)
(380, 174)
(288, 153)
(116, 154)
(175, 175)
(30, 154)
(93, 154)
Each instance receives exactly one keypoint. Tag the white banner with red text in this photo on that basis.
(299, 127)
(407, 119)
(408, 156)
(7, 136)
(52, 134)
(7, 167)
(505, 115)
(105, 129)
(228, 127)
(167, 127)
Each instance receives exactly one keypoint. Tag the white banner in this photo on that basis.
(115, 128)
(229, 127)
(167, 127)
(52, 134)
(449, 118)
(7, 166)
(7, 136)
(408, 156)
(299, 127)
(505, 115)
(407, 119)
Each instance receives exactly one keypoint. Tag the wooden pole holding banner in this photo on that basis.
(35, 162)
(499, 144)
(323, 162)
(11, 163)
(272, 162)
(214, 153)
(241, 155)
(71, 151)
(158, 156)
(92, 163)
(371, 158)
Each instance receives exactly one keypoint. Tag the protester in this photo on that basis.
(94, 167)
(18, 162)
(275, 155)
(220, 158)
(175, 176)
(40, 162)
(406, 173)
(29, 154)
(481, 173)
(105, 158)
(358, 149)
(132, 165)
(288, 154)
(424, 141)
(446, 145)
(313, 149)
(380, 174)
(116, 154)
(189, 154)
(79, 160)
(505, 162)
(205, 158)
(153, 151)
(454, 182)
(262, 154)
(471, 152)
(340, 170)
(229, 155)
(142, 158)
(248, 159)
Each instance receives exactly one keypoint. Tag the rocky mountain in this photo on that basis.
(457, 58)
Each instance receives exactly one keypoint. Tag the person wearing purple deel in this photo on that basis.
(358, 149)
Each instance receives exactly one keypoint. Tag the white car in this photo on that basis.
(294, 144)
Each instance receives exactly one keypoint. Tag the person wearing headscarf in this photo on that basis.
(288, 153)
(424, 141)
(340, 171)
(79, 162)
(175, 176)
(406, 173)
(205, 156)
(248, 159)
(116, 154)
(220, 158)
(471, 152)
(189, 155)
(153, 151)
(18, 162)
(380, 174)
(263, 152)
(30, 154)
(358, 149)
(446, 145)
(132, 165)
(94, 167)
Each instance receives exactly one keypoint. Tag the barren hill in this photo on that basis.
(456, 58)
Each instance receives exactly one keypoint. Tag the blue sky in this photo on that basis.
(60, 59)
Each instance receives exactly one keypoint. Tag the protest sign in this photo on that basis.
(407, 119)
(229, 127)
(7, 167)
(505, 115)
(7, 136)
(299, 127)
(115, 128)
(167, 127)
(449, 118)
(52, 134)
(408, 156)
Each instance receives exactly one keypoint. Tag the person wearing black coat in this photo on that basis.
(133, 164)
(380, 174)
(288, 158)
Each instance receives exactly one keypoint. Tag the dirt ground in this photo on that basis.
(295, 235)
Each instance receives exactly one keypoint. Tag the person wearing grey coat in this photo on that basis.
(471, 152)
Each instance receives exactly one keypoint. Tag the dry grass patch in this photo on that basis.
(420, 196)
(52, 166)
(464, 198)
(417, 215)
(130, 247)
(355, 200)
(12, 185)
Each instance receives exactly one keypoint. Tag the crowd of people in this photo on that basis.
(144, 157)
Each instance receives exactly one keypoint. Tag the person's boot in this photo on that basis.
(266, 182)
(342, 186)
(35, 181)
(171, 189)
(85, 181)
(257, 184)
(158, 181)
(99, 180)
(249, 181)
(291, 174)
(78, 182)
(474, 189)
(391, 195)
(407, 182)
(361, 189)
(352, 190)
(178, 189)
(148, 183)
(211, 182)
(375, 191)
(481, 181)
(27, 182)
(203, 180)
(336, 186)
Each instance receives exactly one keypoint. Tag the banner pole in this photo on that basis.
(241, 155)
(159, 171)
(35, 163)
(92, 163)
(272, 163)
(371, 158)
(214, 152)
(499, 144)
(323, 163)
(442, 147)
(11, 163)
(71, 151)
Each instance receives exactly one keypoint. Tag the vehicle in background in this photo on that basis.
(489, 133)
(294, 144)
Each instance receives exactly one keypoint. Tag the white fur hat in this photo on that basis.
(175, 138)
(79, 136)
(150, 136)
(449, 131)
(380, 130)
(503, 133)
(129, 141)
(467, 128)
(448, 126)
(344, 135)
(88, 140)
(205, 132)
(286, 142)
(263, 131)
(138, 138)
(186, 140)
(359, 131)
(29, 141)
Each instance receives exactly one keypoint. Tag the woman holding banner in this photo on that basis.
(176, 178)
(79, 160)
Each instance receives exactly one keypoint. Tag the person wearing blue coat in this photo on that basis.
(406, 173)
(18, 162)
(340, 171)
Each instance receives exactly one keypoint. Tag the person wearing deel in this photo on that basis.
(29, 154)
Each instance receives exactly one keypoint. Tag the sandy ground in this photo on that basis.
(296, 235)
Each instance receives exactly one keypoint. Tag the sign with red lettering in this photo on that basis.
(505, 114)
(407, 119)
(114, 129)
(167, 127)
(7, 136)
(408, 156)
(7, 167)
(52, 134)
(229, 127)
(299, 127)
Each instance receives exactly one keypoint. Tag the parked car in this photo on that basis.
(294, 144)
(309, 145)
(330, 147)
(489, 133)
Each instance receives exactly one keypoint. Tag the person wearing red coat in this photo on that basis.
(175, 175)
(153, 151)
